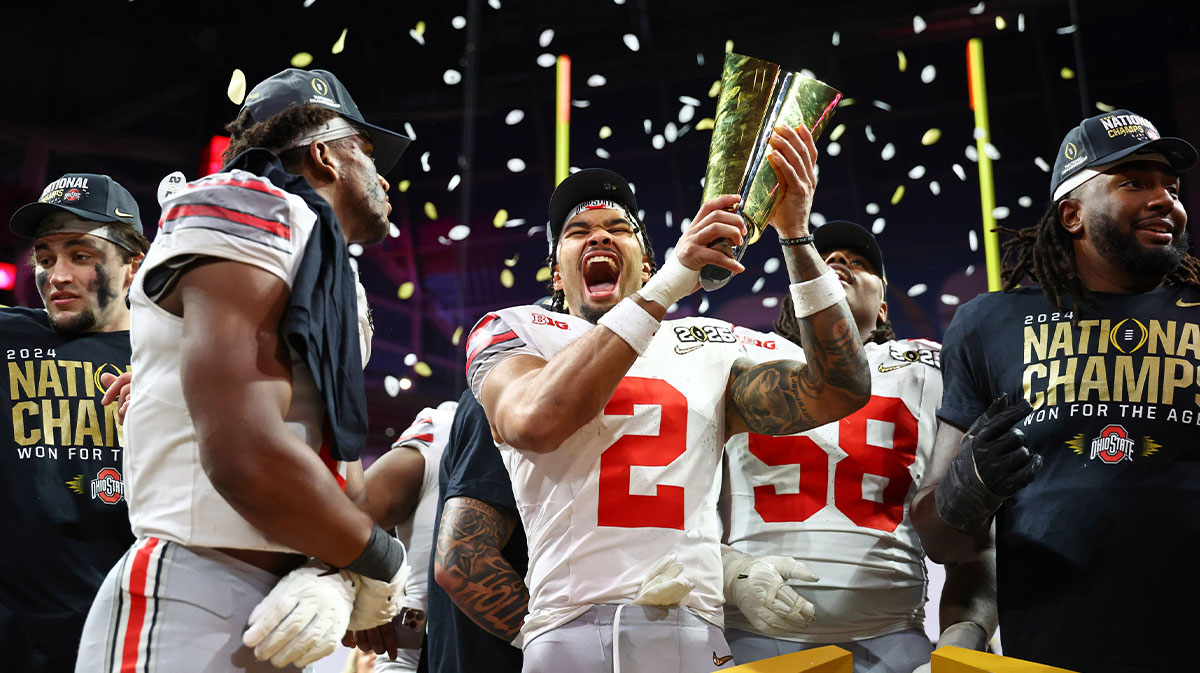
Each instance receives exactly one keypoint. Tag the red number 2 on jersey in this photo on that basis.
(862, 459)
(618, 507)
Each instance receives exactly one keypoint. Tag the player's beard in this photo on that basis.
(1122, 248)
(87, 319)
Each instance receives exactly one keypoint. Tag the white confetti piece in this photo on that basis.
(872, 208)
(1021, 22)
(514, 117)
(674, 307)
(950, 300)
(882, 105)
(758, 285)
(602, 153)
(991, 151)
(685, 223)
(970, 269)
(1066, 30)
(934, 187)
(928, 74)
(546, 38)
(410, 359)
(452, 77)
(976, 10)
(405, 383)
(699, 59)
(658, 142)
(972, 153)
(671, 133)
(668, 219)
(410, 131)
(1000, 212)
(631, 41)
(454, 180)
(703, 304)
(546, 60)
(686, 113)
(444, 241)
(688, 100)
(596, 80)
(916, 172)
(392, 385)
(618, 2)
(973, 240)
(889, 151)
(817, 219)
(869, 133)
(805, 72)
(833, 149)
(647, 126)
(417, 37)
(354, 249)
(958, 170)
(1025, 202)
(393, 230)
(878, 225)
(308, 3)
(917, 290)
(918, 24)
(978, 133)
(836, 39)
(425, 162)
(516, 164)
(515, 222)
(580, 103)
(458, 22)
(237, 87)
(458, 232)
(771, 265)
(494, 4)
(770, 302)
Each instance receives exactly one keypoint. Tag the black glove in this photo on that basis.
(992, 464)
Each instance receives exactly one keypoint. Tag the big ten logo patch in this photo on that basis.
(542, 319)
(766, 344)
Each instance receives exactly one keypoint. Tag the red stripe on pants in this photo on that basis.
(137, 606)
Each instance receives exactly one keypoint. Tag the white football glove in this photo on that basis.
(376, 602)
(303, 618)
(664, 584)
(757, 585)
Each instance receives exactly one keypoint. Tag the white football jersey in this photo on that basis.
(837, 497)
(234, 216)
(636, 482)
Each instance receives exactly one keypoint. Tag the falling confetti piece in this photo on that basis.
(405, 383)
(889, 151)
(580, 103)
(935, 187)
(658, 141)
(705, 124)
(596, 80)
(494, 4)
(918, 24)
(516, 222)
(425, 161)
(670, 132)
(833, 149)
(686, 113)
(837, 132)
(970, 269)
(991, 151)
(958, 170)
(404, 185)
(546, 60)
(972, 153)
(354, 249)
(500, 218)
(872, 208)
(917, 290)
(444, 241)
(869, 132)
(758, 285)
(410, 359)
(393, 230)
(901, 60)
(452, 77)
(516, 164)
(1066, 30)
(406, 290)
(1000, 212)
(605, 132)
(878, 225)
(514, 117)
(846, 102)
(772, 265)
(728, 46)
(631, 41)
(308, 3)
(916, 172)
(647, 126)
(897, 195)
(950, 300)
(973, 240)
(302, 59)
(931, 136)
(512, 261)
(457, 336)
(430, 210)
(417, 37)
(454, 180)
(699, 59)
(715, 89)
(458, 22)
(882, 105)
(1025, 202)
(341, 42)
(805, 72)
(1104, 107)
(1066, 73)
(602, 153)
(392, 385)
(976, 10)
(1021, 22)
(506, 278)
(928, 73)
(237, 87)
(703, 304)
(408, 128)
(458, 232)
(1001, 24)
(546, 38)
(423, 369)
(543, 274)
(817, 219)
(419, 29)
(836, 39)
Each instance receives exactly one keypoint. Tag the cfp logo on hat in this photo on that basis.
(1071, 151)
(320, 86)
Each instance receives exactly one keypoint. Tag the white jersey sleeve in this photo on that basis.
(837, 497)
(520, 330)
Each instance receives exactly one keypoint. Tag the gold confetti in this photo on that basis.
(543, 274)
(406, 290)
(715, 89)
(705, 124)
(846, 102)
(902, 59)
(605, 132)
(500, 218)
(237, 87)
(1001, 24)
(420, 28)
(897, 195)
(404, 185)
(931, 136)
(512, 261)
(837, 132)
(1066, 73)
(506, 277)
(430, 210)
(457, 336)
(423, 369)
(1104, 107)
(728, 46)
(341, 42)
(302, 60)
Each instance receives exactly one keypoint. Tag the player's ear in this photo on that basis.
(556, 279)
(881, 317)
(131, 268)
(321, 162)
(647, 270)
(1070, 215)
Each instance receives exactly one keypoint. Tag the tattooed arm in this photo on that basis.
(468, 565)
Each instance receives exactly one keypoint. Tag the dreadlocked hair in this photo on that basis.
(558, 300)
(276, 131)
(787, 325)
(1045, 254)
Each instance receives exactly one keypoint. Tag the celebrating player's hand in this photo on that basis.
(303, 617)
(757, 585)
(793, 155)
(376, 602)
(117, 388)
(664, 584)
(715, 226)
(1002, 460)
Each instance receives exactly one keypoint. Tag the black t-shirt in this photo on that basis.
(65, 522)
(471, 467)
(1095, 557)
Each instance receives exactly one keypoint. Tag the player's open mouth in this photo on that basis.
(601, 271)
(842, 272)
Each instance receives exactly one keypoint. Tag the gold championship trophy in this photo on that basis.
(757, 96)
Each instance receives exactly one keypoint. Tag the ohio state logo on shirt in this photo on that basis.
(107, 486)
(1113, 445)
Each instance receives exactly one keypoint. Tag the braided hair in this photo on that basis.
(787, 325)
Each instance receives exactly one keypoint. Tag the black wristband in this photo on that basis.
(803, 240)
(382, 557)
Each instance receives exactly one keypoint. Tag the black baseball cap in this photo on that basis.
(1101, 141)
(592, 184)
(844, 235)
(320, 87)
(97, 198)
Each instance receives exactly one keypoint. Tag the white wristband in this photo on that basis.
(817, 294)
(672, 282)
(632, 323)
